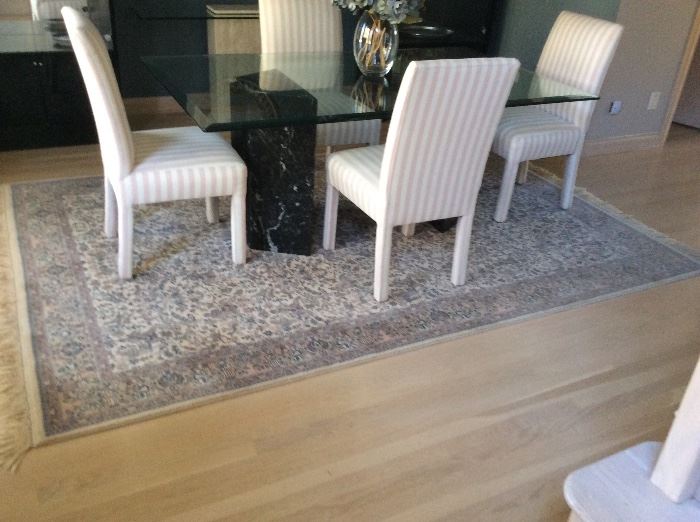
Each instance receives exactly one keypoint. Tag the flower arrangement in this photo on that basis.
(393, 11)
(376, 36)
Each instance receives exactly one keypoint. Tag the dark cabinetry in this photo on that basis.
(43, 102)
(144, 28)
(459, 23)
(474, 22)
(179, 27)
(157, 27)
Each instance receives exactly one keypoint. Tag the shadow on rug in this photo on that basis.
(191, 325)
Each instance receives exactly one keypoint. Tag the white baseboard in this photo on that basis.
(622, 144)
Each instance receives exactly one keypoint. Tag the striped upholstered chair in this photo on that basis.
(152, 166)
(578, 52)
(434, 158)
(309, 26)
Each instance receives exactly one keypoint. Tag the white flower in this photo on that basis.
(394, 11)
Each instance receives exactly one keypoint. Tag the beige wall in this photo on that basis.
(15, 8)
(647, 60)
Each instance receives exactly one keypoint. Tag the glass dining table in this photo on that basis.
(272, 103)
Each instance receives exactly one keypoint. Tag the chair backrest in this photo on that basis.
(300, 26)
(444, 122)
(116, 144)
(578, 52)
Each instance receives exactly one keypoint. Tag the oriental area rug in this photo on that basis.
(190, 326)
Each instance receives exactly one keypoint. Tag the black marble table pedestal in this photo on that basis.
(280, 160)
(279, 201)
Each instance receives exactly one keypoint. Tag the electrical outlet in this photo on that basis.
(615, 107)
(654, 98)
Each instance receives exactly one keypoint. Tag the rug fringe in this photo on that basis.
(15, 420)
(15, 433)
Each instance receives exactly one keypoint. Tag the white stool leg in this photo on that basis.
(239, 246)
(522, 172)
(126, 234)
(110, 210)
(677, 470)
(506, 193)
(460, 258)
(569, 183)
(382, 258)
(212, 209)
(330, 219)
(408, 230)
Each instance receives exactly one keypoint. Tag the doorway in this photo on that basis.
(688, 110)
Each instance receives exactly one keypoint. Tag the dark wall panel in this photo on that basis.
(170, 27)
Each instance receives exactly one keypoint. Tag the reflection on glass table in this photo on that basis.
(272, 104)
(43, 102)
(51, 9)
(201, 84)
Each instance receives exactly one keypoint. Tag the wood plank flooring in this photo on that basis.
(481, 428)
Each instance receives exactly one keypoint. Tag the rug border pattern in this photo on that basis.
(39, 436)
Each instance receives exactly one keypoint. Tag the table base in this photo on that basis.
(279, 201)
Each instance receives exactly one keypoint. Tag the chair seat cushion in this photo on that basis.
(355, 173)
(182, 163)
(529, 133)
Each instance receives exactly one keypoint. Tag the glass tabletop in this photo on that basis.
(178, 10)
(41, 36)
(245, 91)
(25, 36)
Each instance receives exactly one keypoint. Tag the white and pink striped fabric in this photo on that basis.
(116, 144)
(300, 26)
(310, 26)
(182, 163)
(578, 52)
(357, 176)
(527, 133)
(152, 166)
(433, 162)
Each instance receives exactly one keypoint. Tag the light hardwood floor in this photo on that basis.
(481, 428)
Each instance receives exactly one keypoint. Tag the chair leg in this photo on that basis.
(110, 210)
(522, 172)
(460, 257)
(506, 193)
(569, 183)
(408, 230)
(212, 210)
(330, 219)
(382, 258)
(239, 245)
(126, 234)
